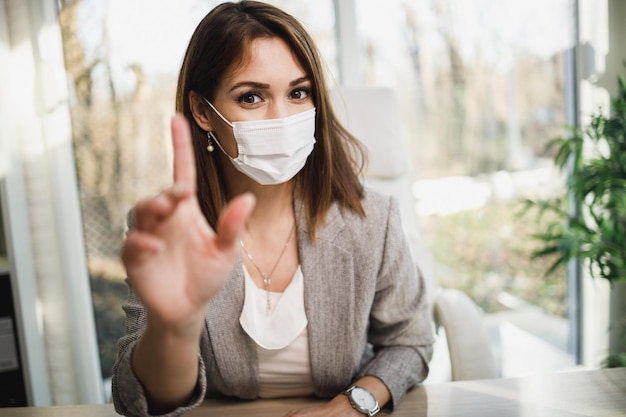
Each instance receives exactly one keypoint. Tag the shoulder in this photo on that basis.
(345, 225)
(376, 203)
(380, 223)
(378, 207)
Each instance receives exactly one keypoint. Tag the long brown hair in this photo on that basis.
(219, 44)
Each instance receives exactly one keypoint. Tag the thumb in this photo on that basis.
(233, 220)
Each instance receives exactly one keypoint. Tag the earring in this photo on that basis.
(210, 138)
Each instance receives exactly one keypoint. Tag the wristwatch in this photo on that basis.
(362, 400)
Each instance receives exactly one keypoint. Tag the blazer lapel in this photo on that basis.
(329, 301)
(233, 351)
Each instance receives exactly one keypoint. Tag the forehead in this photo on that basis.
(266, 59)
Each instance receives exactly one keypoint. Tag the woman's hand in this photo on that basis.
(337, 407)
(175, 262)
(340, 405)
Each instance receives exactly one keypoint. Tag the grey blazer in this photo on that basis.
(364, 299)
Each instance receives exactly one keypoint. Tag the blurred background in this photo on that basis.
(88, 89)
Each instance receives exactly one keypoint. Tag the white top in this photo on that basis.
(281, 338)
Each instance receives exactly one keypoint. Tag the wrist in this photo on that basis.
(186, 333)
(190, 324)
(362, 400)
(342, 402)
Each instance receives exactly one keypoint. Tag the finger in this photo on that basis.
(138, 247)
(233, 220)
(150, 211)
(184, 160)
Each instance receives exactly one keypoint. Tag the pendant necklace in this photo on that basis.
(267, 279)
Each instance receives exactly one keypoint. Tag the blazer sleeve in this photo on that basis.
(400, 328)
(128, 395)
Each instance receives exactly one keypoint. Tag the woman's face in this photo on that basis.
(271, 85)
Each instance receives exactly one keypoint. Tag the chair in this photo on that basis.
(373, 116)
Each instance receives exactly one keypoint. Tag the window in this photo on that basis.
(482, 89)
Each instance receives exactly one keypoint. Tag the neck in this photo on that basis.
(274, 203)
(274, 206)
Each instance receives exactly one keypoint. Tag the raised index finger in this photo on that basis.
(184, 160)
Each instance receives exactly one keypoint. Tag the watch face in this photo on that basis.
(363, 398)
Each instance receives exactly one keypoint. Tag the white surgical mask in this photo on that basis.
(272, 151)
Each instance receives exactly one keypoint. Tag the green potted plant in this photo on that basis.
(589, 223)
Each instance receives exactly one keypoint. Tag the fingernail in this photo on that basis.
(249, 197)
(180, 190)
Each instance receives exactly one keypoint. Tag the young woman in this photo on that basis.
(266, 270)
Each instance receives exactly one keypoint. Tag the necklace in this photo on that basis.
(267, 279)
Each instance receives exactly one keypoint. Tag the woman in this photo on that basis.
(266, 270)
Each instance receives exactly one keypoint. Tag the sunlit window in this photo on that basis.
(482, 90)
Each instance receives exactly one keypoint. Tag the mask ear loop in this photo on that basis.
(218, 113)
(211, 137)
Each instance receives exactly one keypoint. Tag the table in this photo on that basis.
(597, 393)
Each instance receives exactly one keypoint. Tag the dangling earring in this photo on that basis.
(210, 138)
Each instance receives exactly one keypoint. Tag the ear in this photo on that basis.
(200, 111)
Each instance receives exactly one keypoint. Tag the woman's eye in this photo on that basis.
(249, 98)
(300, 93)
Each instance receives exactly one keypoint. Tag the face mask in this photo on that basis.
(272, 151)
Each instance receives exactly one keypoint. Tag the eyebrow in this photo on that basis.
(263, 86)
(298, 81)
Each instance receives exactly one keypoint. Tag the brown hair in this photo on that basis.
(219, 43)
